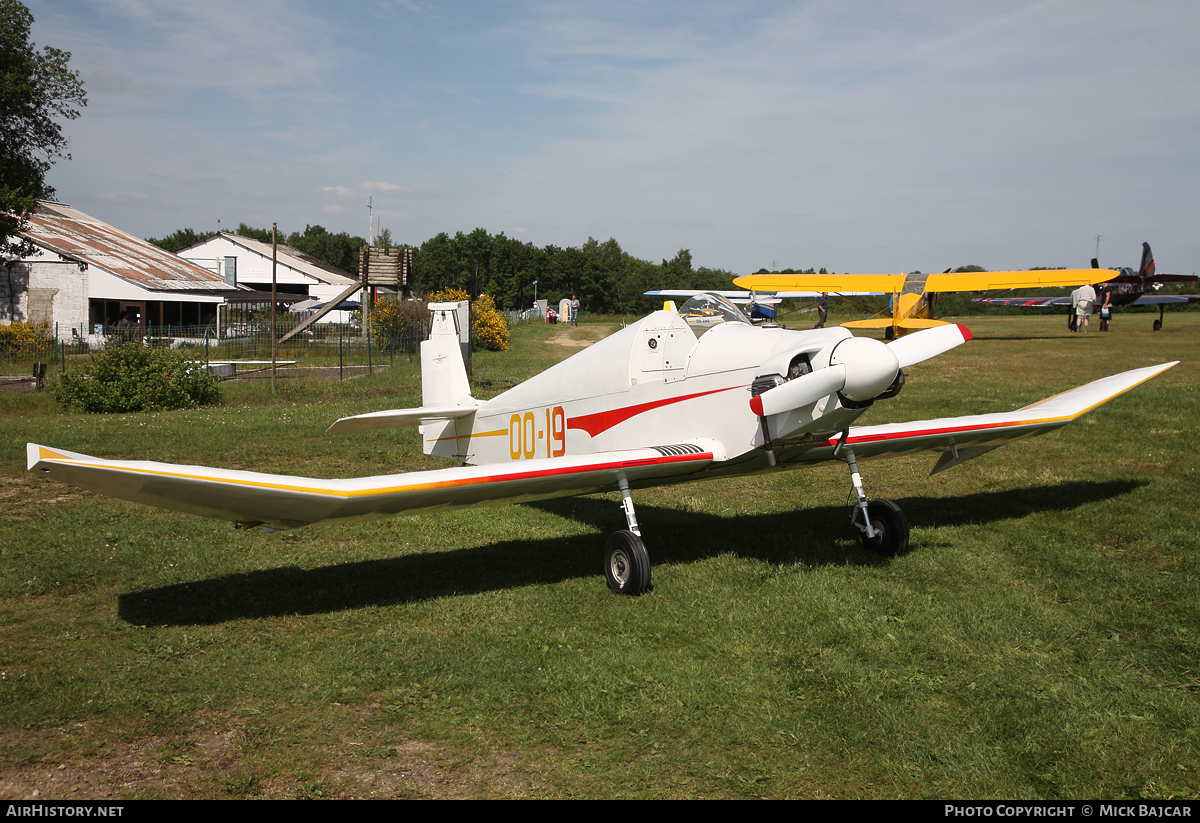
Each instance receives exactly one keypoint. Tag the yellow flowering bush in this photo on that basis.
(25, 341)
(488, 325)
(449, 296)
(393, 322)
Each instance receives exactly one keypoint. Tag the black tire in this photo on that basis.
(891, 529)
(1158, 325)
(627, 564)
(889, 333)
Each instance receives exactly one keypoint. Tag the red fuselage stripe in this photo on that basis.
(874, 438)
(601, 422)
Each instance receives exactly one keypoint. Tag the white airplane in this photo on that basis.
(651, 405)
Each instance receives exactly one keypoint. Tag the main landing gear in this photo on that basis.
(626, 562)
(883, 526)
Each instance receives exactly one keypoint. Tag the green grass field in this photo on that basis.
(1040, 640)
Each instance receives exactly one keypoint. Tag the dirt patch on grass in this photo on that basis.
(225, 757)
(17, 385)
(579, 337)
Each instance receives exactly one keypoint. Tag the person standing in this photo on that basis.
(822, 309)
(574, 304)
(1072, 318)
(1106, 309)
(1085, 302)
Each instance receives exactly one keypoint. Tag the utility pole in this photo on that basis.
(1098, 239)
(274, 257)
(365, 313)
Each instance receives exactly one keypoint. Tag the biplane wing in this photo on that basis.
(938, 282)
(913, 295)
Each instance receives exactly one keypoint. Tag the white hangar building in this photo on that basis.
(242, 262)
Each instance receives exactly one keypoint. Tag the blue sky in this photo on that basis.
(866, 137)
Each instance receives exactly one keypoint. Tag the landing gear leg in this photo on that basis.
(626, 562)
(1158, 322)
(883, 525)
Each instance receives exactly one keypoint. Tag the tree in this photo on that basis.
(261, 235)
(179, 239)
(339, 250)
(36, 89)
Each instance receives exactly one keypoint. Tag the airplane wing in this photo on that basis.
(1159, 299)
(995, 280)
(938, 282)
(1028, 301)
(960, 439)
(832, 283)
(284, 502)
(1025, 301)
(738, 296)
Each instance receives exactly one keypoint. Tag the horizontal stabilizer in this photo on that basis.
(398, 418)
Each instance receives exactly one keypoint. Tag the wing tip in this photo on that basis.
(35, 453)
(966, 333)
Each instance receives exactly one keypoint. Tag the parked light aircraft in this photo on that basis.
(650, 405)
(1128, 288)
(914, 296)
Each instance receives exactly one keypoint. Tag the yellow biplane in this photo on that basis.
(914, 296)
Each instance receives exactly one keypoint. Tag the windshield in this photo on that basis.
(706, 310)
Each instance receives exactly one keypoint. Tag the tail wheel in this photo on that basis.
(1158, 325)
(890, 526)
(627, 564)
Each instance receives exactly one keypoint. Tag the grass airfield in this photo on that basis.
(1040, 640)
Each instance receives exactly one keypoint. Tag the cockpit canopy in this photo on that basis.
(705, 310)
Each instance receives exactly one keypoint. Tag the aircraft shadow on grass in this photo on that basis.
(810, 537)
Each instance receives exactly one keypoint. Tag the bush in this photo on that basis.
(130, 377)
(395, 322)
(25, 341)
(488, 325)
(448, 296)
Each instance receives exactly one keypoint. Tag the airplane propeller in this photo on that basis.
(860, 368)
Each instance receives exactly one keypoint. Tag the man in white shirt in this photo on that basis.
(1085, 302)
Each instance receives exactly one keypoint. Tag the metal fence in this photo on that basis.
(326, 344)
(527, 316)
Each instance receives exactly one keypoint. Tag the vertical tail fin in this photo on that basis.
(1146, 272)
(443, 371)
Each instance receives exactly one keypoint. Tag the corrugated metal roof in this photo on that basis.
(73, 234)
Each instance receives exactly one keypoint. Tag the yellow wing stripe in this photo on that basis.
(478, 480)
